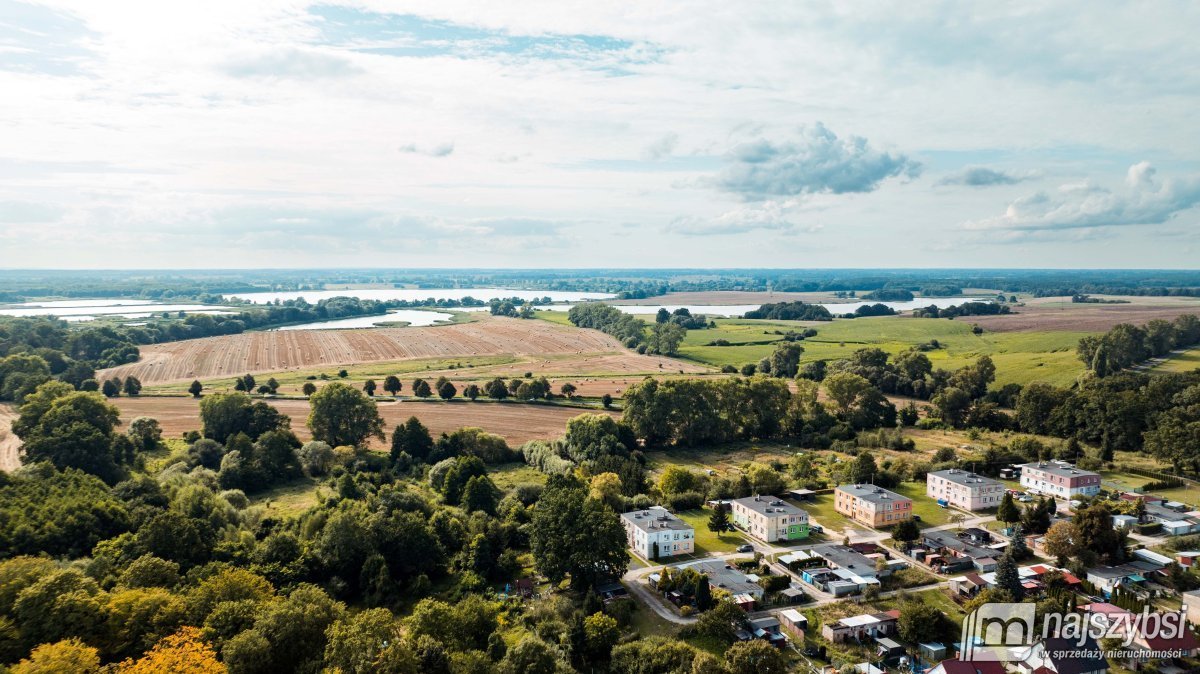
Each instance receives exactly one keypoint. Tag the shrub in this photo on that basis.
(688, 500)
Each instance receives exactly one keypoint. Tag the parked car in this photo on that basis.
(745, 547)
(1025, 498)
(916, 518)
(816, 529)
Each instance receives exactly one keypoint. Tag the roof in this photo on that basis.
(1085, 658)
(964, 477)
(1186, 641)
(1151, 556)
(793, 616)
(763, 623)
(655, 518)
(1104, 608)
(845, 558)
(769, 505)
(889, 644)
(868, 492)
(1061, 469)
(956, 666)
(945, 539)
(725, 577)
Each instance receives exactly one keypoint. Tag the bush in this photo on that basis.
(1151, 528)
(688, 500)
(686, 610)
(774, 583)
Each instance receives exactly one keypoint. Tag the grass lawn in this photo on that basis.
(820, 511)
(559, 317)
(1020, 357)
(931, 514)
(508, 475)
(292, 498)
(707, 541)
(647, 623)
(724, 459)
(1184, 362)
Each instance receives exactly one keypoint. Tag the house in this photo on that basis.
(794, 622)
(1126, 576)
(1124, 521)
(768, 519)
(872, 506)
(1031, 578)
(724, 576)
(968, 585)
(1156, 648)
(964, 489)
(1187, 559)
(1114, 619)
(768, 629)
(838, 582)
(932, 651)
(1060, 479)
(654, 533)
(845, 557)
(1063, 656)
(947, 551)
(867, 625)
(956, 666)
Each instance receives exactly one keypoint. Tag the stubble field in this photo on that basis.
(515, 422)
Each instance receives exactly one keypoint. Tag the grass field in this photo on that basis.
(707, 541)
(508, 476)
(1020, 357)
(292, 498)
(1184, 362)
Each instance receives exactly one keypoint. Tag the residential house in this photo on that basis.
(769, 519)
(1129, 576)
(859, 627)
(1059, 479)
(872, 506)
(947, 551)
(1187, 559)
(768, 629)
(654, 533)
(964, 489)
(1062, 656)
(1175, 518)
(1126, 522)
(956, 666)
(1155, 648)
(726, 577)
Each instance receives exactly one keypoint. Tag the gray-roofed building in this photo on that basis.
(1059, 478)
(770, 519)
(655, 532)
(872, 506)
(726, 577)
(964, 489)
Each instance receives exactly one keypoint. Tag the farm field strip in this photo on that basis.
(278, 351)
(516, 422)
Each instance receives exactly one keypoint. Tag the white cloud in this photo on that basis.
(982, 176)
(663, 147)
(771, 216)
(1143, 200)
(817, 161)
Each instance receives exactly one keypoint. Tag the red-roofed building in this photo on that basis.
(956, 666)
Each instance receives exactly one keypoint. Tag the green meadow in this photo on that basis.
(1020, 357)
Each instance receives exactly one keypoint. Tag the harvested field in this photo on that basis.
(1060, 314)
(516, 422)
(10, 445)
(262, 352)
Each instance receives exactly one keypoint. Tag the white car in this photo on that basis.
(1025, 498)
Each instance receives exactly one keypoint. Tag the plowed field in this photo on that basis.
(516, 422)
(260, 352)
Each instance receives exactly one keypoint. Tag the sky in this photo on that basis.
(598, 134)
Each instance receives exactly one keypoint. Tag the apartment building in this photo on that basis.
(963, 489)
(872, 506)
(1059, 479)
(769, 519)
(654, 533)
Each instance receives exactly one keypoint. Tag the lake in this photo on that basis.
(88, 310)
(416, 294)
(414, 317)
(737, 310)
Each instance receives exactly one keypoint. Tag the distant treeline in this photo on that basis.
(791, 311)
(609, 320)
(964, 309)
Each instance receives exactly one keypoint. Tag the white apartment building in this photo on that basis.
(963, 489)
(1059, 479)
(654, 533)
